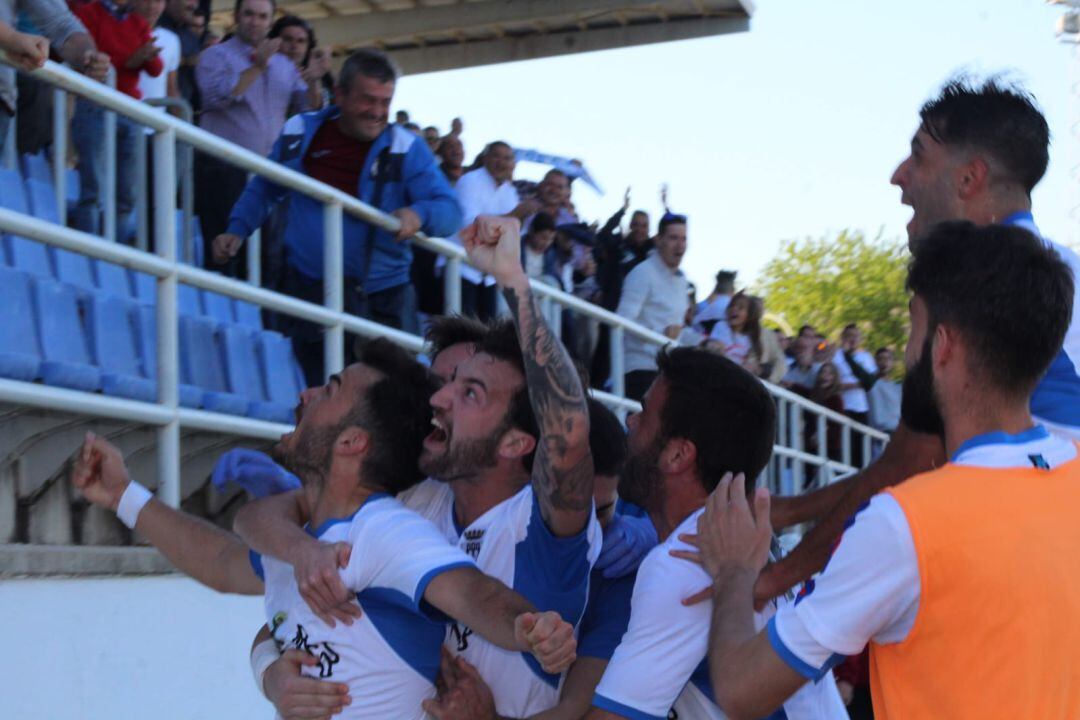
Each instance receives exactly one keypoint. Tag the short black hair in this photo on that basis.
(501, 342)
(396, 413)
(541, 221)
(607, 439)
(881, 350)
(240, 3)
(449, 330)
(670, 219)
(720, 407)
(996, 117)
(370, 63)
(850, 326)
(556, 171)
(287, 21)
(725, 281)
(1008, 293)
(498, 143)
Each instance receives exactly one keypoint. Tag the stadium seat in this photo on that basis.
(112, 279)
(66, 361)
(196, 240)
(201, 365)
(28, 255)
(36, 167)
(42, 200)
(116, 349)
(242, 370)
(248, 314)
(145, 287)
(71, 188)
(74, 269)
(281, 373)
(190, 396)
(187, 301)
(12, 193)
(218, 307)
(20, 357)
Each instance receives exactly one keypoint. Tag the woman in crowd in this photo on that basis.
(826, 393)
(298, 44)
(739, 337)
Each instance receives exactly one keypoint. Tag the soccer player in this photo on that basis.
(979, 150)
(355, 444)
(961, 565)
(704, 416)
(528, 522)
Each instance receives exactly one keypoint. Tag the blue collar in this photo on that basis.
(1018, 218)
(1000, 438)
(327, 524)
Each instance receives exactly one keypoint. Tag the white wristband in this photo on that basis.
(263, 656)
(132, 502)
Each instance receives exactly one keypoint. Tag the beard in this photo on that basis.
(463, 459)
(918, 407)
(641, 482)
(308, 455)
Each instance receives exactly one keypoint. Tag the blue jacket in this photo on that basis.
(400, 172)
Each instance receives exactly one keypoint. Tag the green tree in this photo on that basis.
(830, 282)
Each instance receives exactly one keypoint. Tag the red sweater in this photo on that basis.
(118, 33)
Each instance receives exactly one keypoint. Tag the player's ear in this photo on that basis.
(353, 441)
(679, 455)
(516, 444)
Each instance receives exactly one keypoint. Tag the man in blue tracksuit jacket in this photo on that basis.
(351, 146)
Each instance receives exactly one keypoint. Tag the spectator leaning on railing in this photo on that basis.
(351, 147)
(248, 90)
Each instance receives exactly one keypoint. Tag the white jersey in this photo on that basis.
(661, 662)
(870, 588)
(512, 543)
(390, 656)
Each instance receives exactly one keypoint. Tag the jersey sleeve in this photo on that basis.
(664, 643)
(396, 549)
(606, 617)
(869, 590)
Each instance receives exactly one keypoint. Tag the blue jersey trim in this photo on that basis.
(1018, 217)
(421, 605)
(1001, 438)
(256, 564)
(607, 615)
(805, 669)
(599, 701)
(327, 524)
(413, 638)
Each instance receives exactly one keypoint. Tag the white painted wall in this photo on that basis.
(147, 648)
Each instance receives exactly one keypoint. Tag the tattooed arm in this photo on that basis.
(562, 474)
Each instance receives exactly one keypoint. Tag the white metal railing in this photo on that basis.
(164, 265)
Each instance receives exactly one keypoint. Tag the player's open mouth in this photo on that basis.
(438, 436)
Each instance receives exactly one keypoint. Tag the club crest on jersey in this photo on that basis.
(460, 633)
(473, 538)
(326, 655)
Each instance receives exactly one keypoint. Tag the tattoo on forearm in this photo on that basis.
(562, 473)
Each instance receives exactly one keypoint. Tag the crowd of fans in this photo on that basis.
(268, 87)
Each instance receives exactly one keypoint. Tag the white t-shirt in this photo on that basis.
(153, 88)
(661, 662)
(479, 195)
(512, 543)
(854, 400)
(389, 658)
(716, 311)
(870, 588)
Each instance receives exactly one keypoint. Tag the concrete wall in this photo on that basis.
(144, 648)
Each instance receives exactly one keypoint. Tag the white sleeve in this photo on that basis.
(663, 644)
(469, 195)
(396, 549)
(635, 291)
(866, 361)
(722, 331)
(869, 590)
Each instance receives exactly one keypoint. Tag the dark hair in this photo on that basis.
(497, 143)
(541, 221)
(607, 439)
(287, 21)
(240, 3)
(556, 171)
(881, 350)
(449, 330)
(720, 407)
(755, 308)
(670, 219)
(501, 342)
(396, 413)
(1008, 294)
(639, 212)
(806, 327)
(996, 117)
(370, 63)
(725, 281)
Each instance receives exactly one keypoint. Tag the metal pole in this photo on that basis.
(142, 209)
(452, 286)
(187, 194)
(60, 138)
(254, 257)
(11, 152)
(618, 374)
(799, 466)
(107, 193)
(845, 443)
(865, 449)
(333, 278)
(168, 435)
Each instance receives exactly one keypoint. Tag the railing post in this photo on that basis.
(452, 286)
(618, 372)
(10, 149)
(845, 443)
(799, 466)
(187, 193)
(333, 279)
(168, 435)
(254, 257)
(142, 204)
(60, 142)
(865, 449)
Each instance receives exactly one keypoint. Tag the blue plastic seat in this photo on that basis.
(189, 395)
(245, 378)
(12, 192)
(202, 365)
(20, 354)
(281, 373)
(248, 314)
(187, 300)
(28, 255)
(112, 279)
(36, 167)
(65, 358)
(42, 200)
(145, 287)
(110, 321)
(71, 188)
(218, 307)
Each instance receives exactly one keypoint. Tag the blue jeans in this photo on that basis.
(5, 124)
(88, 136)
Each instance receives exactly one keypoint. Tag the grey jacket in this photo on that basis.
(52, 19)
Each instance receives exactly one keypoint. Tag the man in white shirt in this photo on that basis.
(704, 417)
(884, 395)
(654, 295)
(488, 190)
(165, 84)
